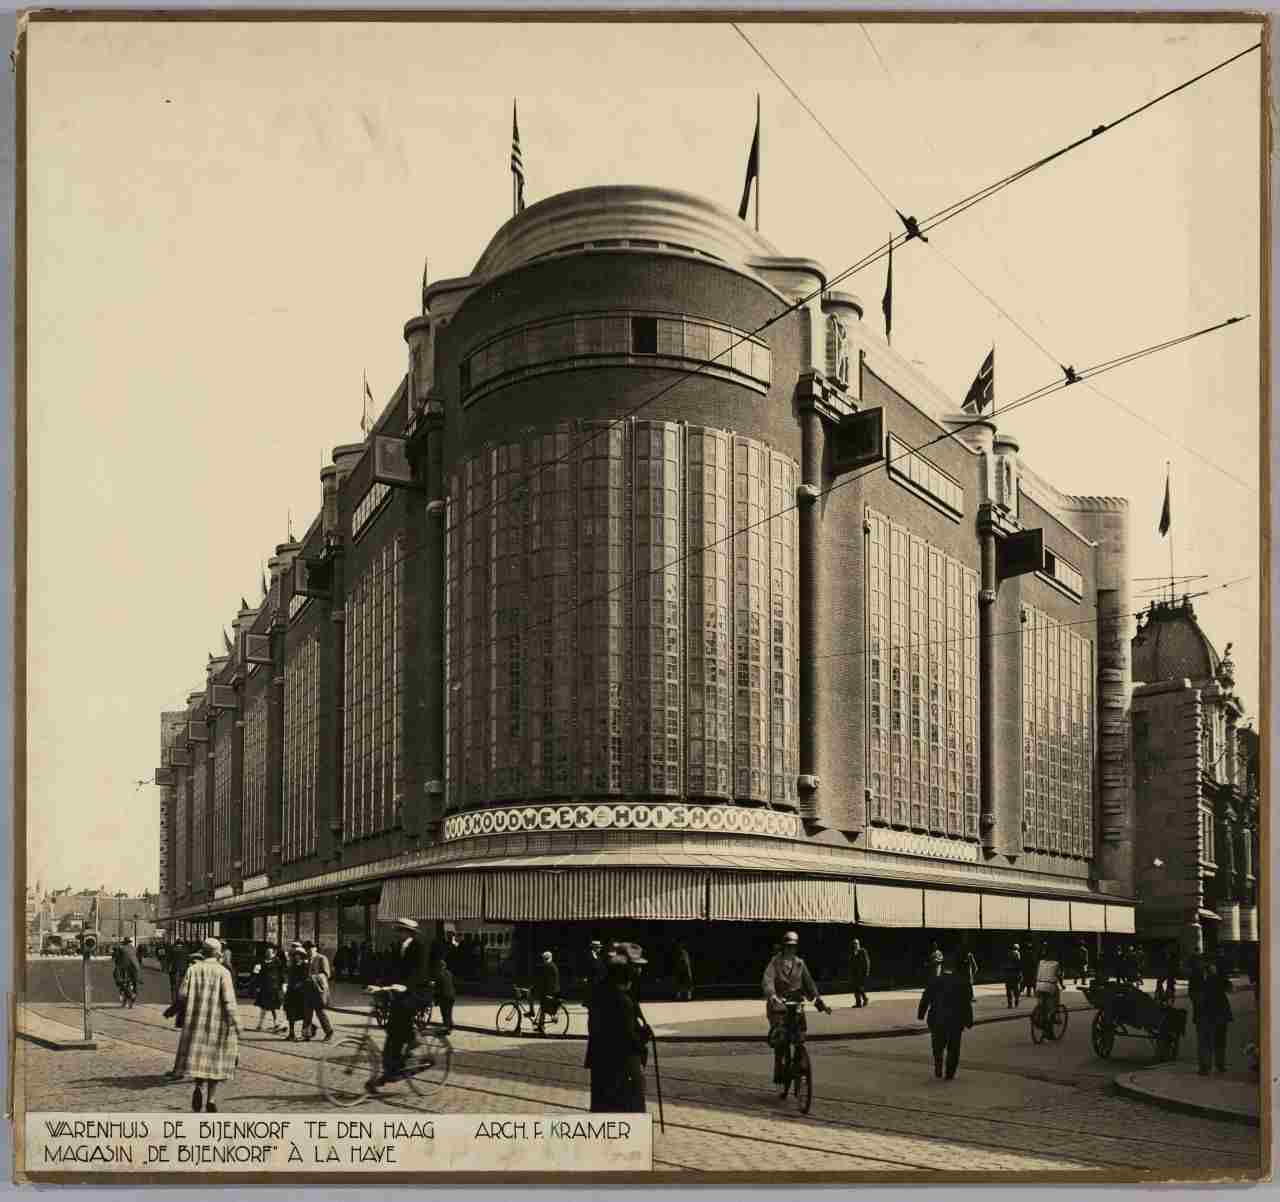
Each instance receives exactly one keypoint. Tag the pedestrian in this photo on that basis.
(209, 1047)
(1030, 958)
(129, 970)
(617, 1037)
(968, 965)
(318, 974)
(859, 971)
(228, 961)
(1172, 968)
(683, 973)
(297, 973)
(597, 969)
(1013, 977)
(268, 988)
(1195, 984)
(1212, 1018)
(445, 993)
(178, 961)
(546, 990)
(947, 1004)
(932, 962)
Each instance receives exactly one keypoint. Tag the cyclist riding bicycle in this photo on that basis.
(1049, 984)
(409, 980)
(786, 975)
(125, 969)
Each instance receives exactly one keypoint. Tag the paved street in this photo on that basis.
(877, 1109)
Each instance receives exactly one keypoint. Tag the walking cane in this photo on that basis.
(657, 1075)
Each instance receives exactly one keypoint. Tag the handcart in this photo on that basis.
(1125, 1010)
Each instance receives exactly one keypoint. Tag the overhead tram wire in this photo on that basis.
(868, 260)
(945, 214)
(1036, 394)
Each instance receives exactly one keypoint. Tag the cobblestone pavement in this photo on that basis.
(877, 1108)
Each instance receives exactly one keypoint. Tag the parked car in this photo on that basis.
(245, 953)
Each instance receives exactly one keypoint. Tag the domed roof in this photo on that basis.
(615, 215)
(1170, 645)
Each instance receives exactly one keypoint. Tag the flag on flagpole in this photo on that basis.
(1166, 519)
(226, 640)
(983, 389)
(753, 172)
(366, 419)
(265, 589)
(517, 164)
(887, 303)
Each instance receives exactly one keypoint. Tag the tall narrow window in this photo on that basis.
(371, 713)
(1057, 719)
(222, 785)
(922, 694)
(199, 818)
(253, 832)
(181, 830)
(301, 750)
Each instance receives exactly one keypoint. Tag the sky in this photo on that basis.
(228, 222)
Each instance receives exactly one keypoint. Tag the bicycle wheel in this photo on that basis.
(1060, 1014)
(785, 1083)
(427, 1066)
(346, 1068)
(379, 1014)
(803, 1079)
(557, 1023)
(1037, 1029)
(508, 1022)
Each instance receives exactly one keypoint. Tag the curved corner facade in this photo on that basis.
(619, 587)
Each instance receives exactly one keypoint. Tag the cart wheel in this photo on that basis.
(1059, 1023)
(1104, 1035)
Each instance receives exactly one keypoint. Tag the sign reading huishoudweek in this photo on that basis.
(311, 1143)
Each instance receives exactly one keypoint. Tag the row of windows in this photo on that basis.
(371, 712)
(911, 467)
(199, 827)
(922, 684)
(666, 335)
(368, 506)
(1060, 570)
(301, 750)
(253, 831)
(1057, 722)
(605, 633)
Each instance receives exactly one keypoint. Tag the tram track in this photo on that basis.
(752, 1100)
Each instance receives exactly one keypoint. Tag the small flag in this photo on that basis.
(366, 419)
(983, 389)
(517, 161)
(887, 303)
(226, 640)
(1166, 519)
(424, 285)
(265, 589)
(753, 172)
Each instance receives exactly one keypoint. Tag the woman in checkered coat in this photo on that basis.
(209, 1048)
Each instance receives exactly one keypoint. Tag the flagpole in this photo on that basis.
(757, 163)
(1168, 492)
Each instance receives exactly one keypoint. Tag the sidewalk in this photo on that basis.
(49, 1034)
(889, 1012)
(1234, 1095)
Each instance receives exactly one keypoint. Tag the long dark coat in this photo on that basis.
(616, 1040)
(297, 976)
(269, 984)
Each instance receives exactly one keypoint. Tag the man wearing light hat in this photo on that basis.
(409, 968)
(785, 977)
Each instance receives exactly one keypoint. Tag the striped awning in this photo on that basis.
(433, 896)
(889, 906)
(745, 896)
(1120, 920)
(1088, 916)
(1000, 913)
(1048, 914)
(544, 895)
(944, 908)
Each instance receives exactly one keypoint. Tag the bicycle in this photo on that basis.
(551, 1013)
(797, 1067)
(350, 1068)
(382, 1012)
(1045, 1023)
(128, 991)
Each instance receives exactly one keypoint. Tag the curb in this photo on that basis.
(881, 1033)
(60, 1045)
(1127, 1084)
